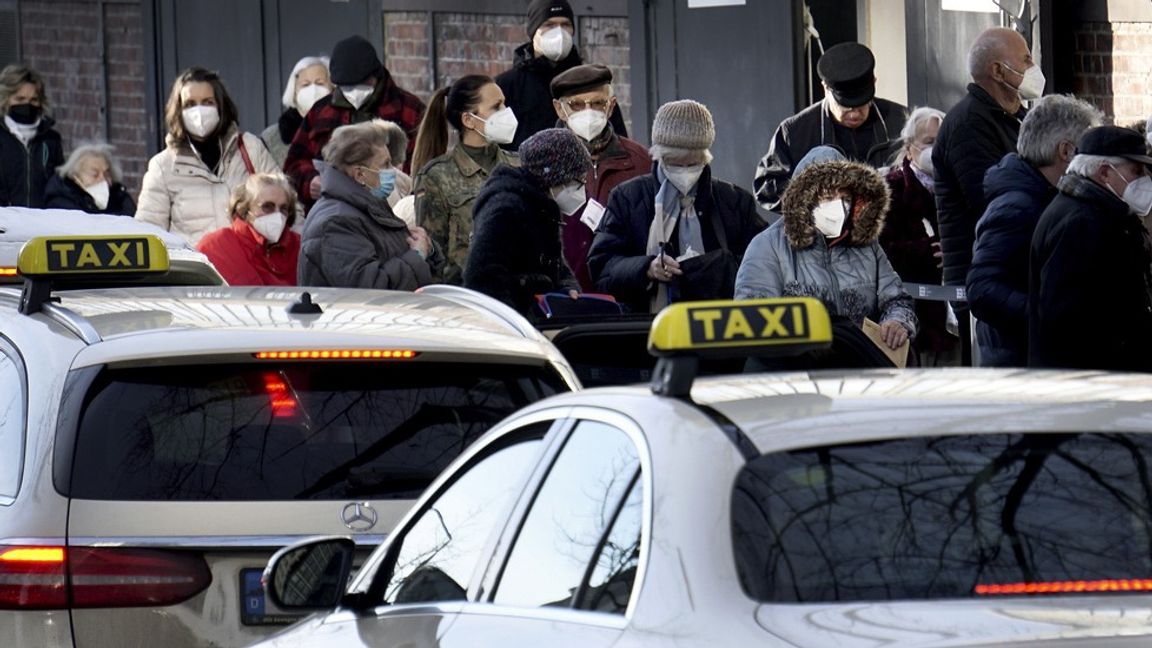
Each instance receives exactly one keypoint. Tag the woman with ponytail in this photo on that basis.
(448, 181)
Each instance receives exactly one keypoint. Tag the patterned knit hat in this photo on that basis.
(684, 124)
(555, 156)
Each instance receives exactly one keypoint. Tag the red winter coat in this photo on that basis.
(243, 258)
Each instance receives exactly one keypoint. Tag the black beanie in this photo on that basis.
(541, 10)
(353, 60)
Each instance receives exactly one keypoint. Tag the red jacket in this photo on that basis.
(243, 258)
(622, 160)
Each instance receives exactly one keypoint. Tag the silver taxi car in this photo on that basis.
(157, 444)
(923, 508)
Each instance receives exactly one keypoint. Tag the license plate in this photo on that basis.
(255, 609)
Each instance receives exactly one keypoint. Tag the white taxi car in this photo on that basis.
(157, 444)
(922, 508)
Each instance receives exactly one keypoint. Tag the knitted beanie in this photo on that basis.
(541, 10)
(684, 124)
(555, 157)
(353, 60)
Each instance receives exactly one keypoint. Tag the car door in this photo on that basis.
(569, 576)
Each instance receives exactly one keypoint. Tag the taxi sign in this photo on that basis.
(740, 327)
(92, 255)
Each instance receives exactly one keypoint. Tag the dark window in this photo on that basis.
(12, 419)
(289, 431)
(563, 535)
(943, 517)
(438, 554)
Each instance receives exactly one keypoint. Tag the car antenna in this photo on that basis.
(305, 306)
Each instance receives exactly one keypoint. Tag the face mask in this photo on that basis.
(1032, 87)
(924, 160)
(555, 44)
(387, 183)
(683, 178)
(356, 94)
(307, 96)
(829, 217)
(25, 114)
(99, 192)
(570, 198)
(270, 226)
(1138, 194)
(500, 127)
(588, 123)
(201, 121)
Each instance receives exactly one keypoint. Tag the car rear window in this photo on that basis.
(945, 517)
(327, 430)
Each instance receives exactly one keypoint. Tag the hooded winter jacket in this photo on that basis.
(515, 252)
(182, 195)
(353, 240)
(853, 277)
(998, 279)
(528, 91)
(25, 171)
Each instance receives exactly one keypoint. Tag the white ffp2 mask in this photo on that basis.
(357, 94)
(588, 123)
(270, 226)
(307, 97)
(500, 127)
(99, 192)
(570, 198)
(555, 44)
(201, 121)
(829, 217)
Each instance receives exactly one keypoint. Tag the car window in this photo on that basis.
(609, 586)
(438, 554)
(565, 527)
(289, 431)
(945, 517)
(12, 417)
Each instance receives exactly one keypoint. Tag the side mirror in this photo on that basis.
(310, 574)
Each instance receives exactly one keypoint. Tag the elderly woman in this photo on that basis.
(351, 237)
(910, 236)
(676, 233)
(258, 249)
(826, 247)
(90, 182)
(30, 149)
(308, 82)
(188, 185)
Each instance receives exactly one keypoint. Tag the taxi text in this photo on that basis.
(747, 323)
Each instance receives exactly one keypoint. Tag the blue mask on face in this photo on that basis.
(387, 183)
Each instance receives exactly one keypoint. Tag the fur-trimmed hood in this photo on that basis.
(860, 182)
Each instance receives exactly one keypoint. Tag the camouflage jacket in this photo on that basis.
(445, 191)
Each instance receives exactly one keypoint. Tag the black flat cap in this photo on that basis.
(849, 69)
(1114, 141)
(541, 10)
(581, 78)
(353, 60)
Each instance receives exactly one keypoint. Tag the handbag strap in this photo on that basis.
(244, 154)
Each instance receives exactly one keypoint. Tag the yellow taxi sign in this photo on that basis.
(95, 255)
(744, 325)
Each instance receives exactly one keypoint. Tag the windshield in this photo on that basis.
(945, 517)
(325, 430)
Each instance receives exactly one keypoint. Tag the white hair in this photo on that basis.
(1052, 120)
(918, 116)
(659, 151)
(1087, 166)
(289, 98)
(89, 149)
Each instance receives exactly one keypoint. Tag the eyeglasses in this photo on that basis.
(272, 207)
(576, 105)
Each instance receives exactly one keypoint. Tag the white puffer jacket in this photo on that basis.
(182, 195)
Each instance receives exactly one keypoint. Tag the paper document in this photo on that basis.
(899, 357)
(593, 212)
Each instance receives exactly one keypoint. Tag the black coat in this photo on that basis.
(64, 193)
(24, 172)
(998, 279)
(1089, 299)
(515, 252)
(975, 135)
(527, 90)
(618, 259)
(873, 143)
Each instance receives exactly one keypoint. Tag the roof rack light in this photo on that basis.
(44, 260)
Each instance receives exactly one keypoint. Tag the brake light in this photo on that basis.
(283, 402)
(338, 354)
(1066, 587)
(59, 578)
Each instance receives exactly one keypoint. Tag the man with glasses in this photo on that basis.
(583, 99)
(850, 118)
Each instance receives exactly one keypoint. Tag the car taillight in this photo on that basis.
(282, 401)
(1066, 587)
(83, 577)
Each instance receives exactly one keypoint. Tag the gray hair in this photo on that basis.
(1086, 166)
(88, 149)
(918, 117)
(289, 98)
(1054, 119)
(659, 151)
(355, 144)
(988, 48)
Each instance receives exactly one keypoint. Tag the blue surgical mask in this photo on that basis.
(387, 182)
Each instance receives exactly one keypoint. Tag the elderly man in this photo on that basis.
(583, 99)
(1018, 189)
(850, 118)
(1089, 292)
(676, 233)
(979, 130)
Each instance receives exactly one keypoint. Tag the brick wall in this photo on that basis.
(606, 42)
(1113, 69)
(62, 41)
